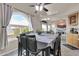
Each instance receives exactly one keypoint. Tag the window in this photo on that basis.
(19, 23)
(44, 27)
(49, 28)
(53, 28)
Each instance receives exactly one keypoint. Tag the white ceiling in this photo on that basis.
(24, 7)
(55, 9)
(59, 7)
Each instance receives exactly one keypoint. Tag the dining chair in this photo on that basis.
(32, 45)
(22, 45)
(56, 51)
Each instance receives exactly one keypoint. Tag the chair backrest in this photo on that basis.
(31, 43)
(23, 40)
(57, 43)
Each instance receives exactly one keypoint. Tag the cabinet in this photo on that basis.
(72, 39)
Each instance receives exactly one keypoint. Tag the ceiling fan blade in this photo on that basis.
(45, 9)
(47, 3)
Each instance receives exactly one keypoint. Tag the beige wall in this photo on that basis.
(69, 27)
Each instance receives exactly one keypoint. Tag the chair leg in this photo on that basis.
(27, 53)
(42, 52)
(19, 49)
(47, 51)
(18, 52)
(59, 53)
(54, 53)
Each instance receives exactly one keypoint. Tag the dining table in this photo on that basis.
(45, 41)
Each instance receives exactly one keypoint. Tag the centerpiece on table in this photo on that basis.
(38, 31)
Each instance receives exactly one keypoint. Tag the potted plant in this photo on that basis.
(38, 31)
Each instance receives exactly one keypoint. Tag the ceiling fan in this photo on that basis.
(40, 7)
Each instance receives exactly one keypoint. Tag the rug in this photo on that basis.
(70, 47)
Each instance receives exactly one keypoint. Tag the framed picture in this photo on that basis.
(73, 19)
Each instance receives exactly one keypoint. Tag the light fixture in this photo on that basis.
(37, 7)
(41, 7)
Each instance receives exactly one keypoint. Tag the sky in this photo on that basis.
(18, 19)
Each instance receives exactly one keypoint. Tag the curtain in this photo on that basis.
(30, 23)
(6, 13)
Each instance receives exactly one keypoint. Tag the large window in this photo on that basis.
(19, 23)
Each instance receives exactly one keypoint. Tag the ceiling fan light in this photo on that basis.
(41, 8)
(37, 7)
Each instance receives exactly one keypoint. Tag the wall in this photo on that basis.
(36, 23)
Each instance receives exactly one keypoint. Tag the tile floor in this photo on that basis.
(64, 51)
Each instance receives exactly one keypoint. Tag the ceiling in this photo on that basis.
(54, 9)
(24, 7)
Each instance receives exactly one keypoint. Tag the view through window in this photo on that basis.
(19, 23)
